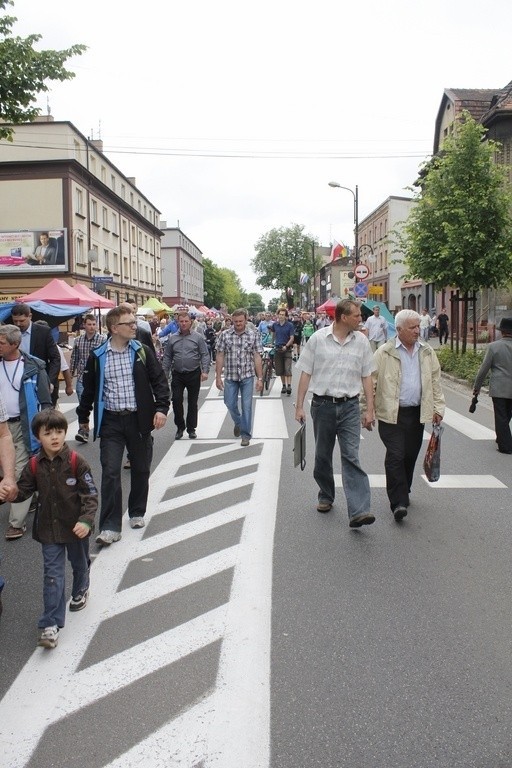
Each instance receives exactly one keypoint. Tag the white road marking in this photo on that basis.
(468, 427)
(465, 426)
(445, 481)
(269, 420)
(465, 481)
(233, 724)
(211, 418)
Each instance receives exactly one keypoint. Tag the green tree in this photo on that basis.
(282, 255)
(234, 296)
(25, 72)
(272, 305)
(213, 282)
(255, 303)
(460, 232)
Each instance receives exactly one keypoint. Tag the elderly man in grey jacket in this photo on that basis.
(498, 360)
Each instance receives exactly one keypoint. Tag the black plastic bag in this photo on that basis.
(432, 460)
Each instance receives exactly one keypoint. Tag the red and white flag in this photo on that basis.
(338, 250)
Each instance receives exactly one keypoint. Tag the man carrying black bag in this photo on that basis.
(407, 395)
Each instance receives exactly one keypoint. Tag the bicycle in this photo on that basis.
(267, 367)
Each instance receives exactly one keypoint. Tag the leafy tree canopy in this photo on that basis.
(234, 295)
(213, 282)
(460, 232)
(222, 287)
(255, 303)
(25, 72)
(282, 254)
(272, 305)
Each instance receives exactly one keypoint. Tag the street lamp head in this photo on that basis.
(334, 184)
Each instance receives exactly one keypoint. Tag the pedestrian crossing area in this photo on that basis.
(178, 624)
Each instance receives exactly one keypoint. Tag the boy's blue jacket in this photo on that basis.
(151, 387)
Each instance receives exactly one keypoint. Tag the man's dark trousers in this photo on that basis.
(190, 381)
(403, 442)
(117, 432)
(502, 415)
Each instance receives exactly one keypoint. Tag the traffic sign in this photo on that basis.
(361, 271)
(360, 290)
(103, 279)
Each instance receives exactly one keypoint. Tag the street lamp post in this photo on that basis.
(355, 195)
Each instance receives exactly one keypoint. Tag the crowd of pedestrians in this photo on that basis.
(128, 377)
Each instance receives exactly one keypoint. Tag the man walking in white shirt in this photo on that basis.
(377, 328)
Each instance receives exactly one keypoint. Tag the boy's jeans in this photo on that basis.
(54, 587)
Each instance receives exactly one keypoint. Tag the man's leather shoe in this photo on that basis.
(192, 434)
(365, 518)
(324, 506)
(179, 434)
(399, 513)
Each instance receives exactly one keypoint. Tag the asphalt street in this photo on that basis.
(243, 628)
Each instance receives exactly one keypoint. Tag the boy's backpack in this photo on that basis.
(73, 457)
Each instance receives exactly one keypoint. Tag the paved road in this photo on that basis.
(241, 628)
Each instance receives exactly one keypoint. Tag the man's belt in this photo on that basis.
(13, 419)
(329, 399)
(124, 412)
(196, 370)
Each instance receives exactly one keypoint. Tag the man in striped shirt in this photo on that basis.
(335, 362)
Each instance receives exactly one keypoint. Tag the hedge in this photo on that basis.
(462, 366)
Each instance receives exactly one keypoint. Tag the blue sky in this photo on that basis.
(178, 91)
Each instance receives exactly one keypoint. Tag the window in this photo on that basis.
(113, 182)
(105, 218)
(79, 258)
(114, 224)
(79, 201)
(94, 211)
(123, 192)
(115, 263)
(106, 258)
(103, 174)
(125, 229)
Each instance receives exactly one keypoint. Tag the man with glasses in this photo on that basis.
(125, 383)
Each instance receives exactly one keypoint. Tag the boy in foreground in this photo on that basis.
(68, 500)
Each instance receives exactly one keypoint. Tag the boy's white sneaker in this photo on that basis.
(48, 637)
(79, 602)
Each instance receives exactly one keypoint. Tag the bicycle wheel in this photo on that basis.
(264, 377)
(268, 377)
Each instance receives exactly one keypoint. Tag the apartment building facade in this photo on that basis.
(378, 250)
(182, 268)
(56, 182)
